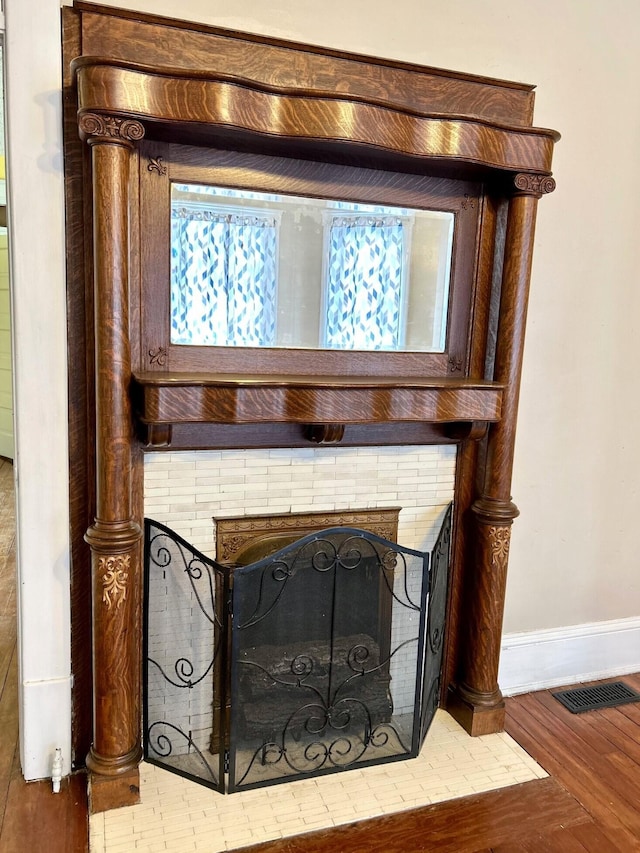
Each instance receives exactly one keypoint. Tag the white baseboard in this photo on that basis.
(552, 658)
(45, 716)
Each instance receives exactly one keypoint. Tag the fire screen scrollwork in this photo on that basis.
(319, 658)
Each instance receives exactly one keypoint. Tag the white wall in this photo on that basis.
(573, 557)
(36, 228)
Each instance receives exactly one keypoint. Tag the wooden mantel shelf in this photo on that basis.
(172, 398)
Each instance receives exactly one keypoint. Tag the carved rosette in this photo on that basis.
(114, 573)
(538, 185)
(97, 126)
(499, 539)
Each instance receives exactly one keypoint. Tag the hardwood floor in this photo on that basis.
(595, 756)
(591, 802)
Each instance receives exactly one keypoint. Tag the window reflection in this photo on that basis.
(255, 269)
(364, 283)
(223, 277)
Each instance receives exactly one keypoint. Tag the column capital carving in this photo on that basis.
(99, 127)
(536, 185)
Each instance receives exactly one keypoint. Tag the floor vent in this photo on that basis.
(601, 696)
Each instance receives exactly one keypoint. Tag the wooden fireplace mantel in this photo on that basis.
(164, 399)
(148, 100)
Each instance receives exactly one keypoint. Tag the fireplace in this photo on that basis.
(159, 113)
(321, 657)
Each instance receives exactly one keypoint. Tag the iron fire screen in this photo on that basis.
(322, 657)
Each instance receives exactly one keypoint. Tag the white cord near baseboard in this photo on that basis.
(56, 771)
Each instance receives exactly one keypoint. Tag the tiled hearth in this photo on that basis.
(179, 816)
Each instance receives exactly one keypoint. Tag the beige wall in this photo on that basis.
(576, 474)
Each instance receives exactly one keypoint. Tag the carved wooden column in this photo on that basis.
(477, 701)
(114, 537)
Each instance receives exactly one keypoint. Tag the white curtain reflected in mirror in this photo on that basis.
(254, 269)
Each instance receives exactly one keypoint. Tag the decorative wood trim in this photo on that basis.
(151, 39)
(158, 356)
(114, 536)
(155, 164)
(536, 185)
(178, 98)
(500, 538)
(477, 694)
(155, 436)
(80, 381)
(211, 436)
(234, 535)
(467, 430)
(115, 579)
(97, 126)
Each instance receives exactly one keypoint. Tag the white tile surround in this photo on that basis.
(179, 816)
(184, 490)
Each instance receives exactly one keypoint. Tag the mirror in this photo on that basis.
(255, 269)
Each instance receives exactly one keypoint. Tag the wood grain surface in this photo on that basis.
(177, 99)
(179, 398)
(149, 39)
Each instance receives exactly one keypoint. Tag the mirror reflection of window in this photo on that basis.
(223, 277)
(255, 269)
(365, 282)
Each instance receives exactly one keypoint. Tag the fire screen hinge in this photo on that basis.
(227, 761)
(230, 602)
